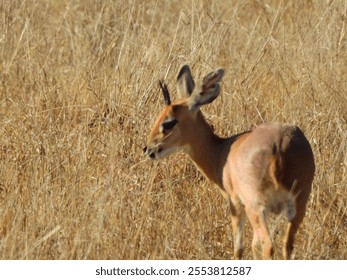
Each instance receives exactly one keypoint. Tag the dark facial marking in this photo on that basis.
(169, 125)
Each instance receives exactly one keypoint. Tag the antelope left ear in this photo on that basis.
(185, 82)
(207, 91)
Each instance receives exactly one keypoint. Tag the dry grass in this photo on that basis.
(79, 93)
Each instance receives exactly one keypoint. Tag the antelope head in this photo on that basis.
(175, 126)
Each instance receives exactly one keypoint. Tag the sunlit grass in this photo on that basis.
(79, 93)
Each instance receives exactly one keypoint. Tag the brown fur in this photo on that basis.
(269, 169)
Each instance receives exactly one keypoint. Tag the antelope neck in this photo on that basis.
(207, 150)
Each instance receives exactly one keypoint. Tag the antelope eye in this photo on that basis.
(169, 125)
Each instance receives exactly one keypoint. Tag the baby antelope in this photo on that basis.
(269, 169)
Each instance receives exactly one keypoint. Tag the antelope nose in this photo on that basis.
(145, 150)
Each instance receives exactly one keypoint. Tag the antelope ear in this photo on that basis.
(207, 91)
(185, 82)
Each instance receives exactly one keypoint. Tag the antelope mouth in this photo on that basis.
(152, 152)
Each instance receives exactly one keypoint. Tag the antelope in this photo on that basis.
(267, 170)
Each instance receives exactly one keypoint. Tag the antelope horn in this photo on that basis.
(165, 92)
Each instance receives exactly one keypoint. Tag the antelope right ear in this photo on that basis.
(185, 82)
(207, 91)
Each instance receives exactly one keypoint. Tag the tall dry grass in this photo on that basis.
(79, 93)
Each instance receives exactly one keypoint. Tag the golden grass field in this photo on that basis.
(79, 94)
